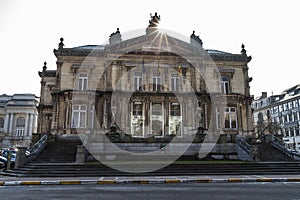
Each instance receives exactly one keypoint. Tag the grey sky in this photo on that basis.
(30, 30)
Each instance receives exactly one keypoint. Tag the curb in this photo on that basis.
(146, 181)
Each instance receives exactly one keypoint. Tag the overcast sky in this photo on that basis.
(30, 30)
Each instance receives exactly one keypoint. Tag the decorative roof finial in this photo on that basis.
(115, 37)
(194, 38)
(243, 51)
(61, 44)
(45, 66)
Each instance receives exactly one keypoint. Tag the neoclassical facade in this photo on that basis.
(18, 119)
(279, 115)
(154, 85)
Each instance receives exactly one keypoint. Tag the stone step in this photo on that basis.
(269, 153)
(57, 169)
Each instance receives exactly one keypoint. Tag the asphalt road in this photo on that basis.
(211, 191)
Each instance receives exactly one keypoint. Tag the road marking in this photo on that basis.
(204, 180)
(31, 183)
(70, 182)
(106, 182)
(172, 181)
(293, 179)
(265, 180)
(235, 180)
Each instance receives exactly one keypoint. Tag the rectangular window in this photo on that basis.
(295, 116)
(137, 120)
(82, 82)
(137, 109)
(295, 104)
(156, 85)
(291, 131)
(225, 85)
(280, 108)
(290, 117)
(297, 131)
(285, 106)
(175, 119)
(138, 81)
(78, 116)
(230, 118)
(174, 82)
(157, 119)
(290, 105)
(285, 118)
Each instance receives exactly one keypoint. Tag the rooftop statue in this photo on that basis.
(154, 20)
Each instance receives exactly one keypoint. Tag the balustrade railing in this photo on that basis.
(279, 144)
(35, 150)
(243, 144)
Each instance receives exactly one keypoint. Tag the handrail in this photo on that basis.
(35, 150)
(279, 144)
(243, 144)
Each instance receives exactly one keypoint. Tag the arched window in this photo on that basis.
(20, 122)
(1, 123)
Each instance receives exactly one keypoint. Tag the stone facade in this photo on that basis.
(152, 85)
(18, 119)
(279, 115)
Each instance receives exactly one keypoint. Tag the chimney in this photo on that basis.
(264, 95)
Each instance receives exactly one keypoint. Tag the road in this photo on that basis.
(211, 191)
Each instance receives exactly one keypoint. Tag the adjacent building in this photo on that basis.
(18, 119)
(279, 115)
(146, 86)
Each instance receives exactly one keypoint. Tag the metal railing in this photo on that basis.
(243, 144)
(35, 150)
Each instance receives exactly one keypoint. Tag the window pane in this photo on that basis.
(227, 120)
(1, 123)
(82, 120)
(75, 119)
(20, 122)
(233, 120)
(157, 109)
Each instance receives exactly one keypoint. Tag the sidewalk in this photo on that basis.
(22, 181)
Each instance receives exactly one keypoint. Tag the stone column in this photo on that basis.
(11, 122)
(30, 125)
(26, 124)
(6, 122)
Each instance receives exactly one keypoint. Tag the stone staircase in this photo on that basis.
(63, 150)
(268, 153)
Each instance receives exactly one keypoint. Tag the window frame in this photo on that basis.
(232, 117)
(225, 85)
(82, 81)
(137, 81)
(80, 111)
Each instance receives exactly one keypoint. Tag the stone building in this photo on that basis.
(153, 85)
(279, 115)
(18, 119)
